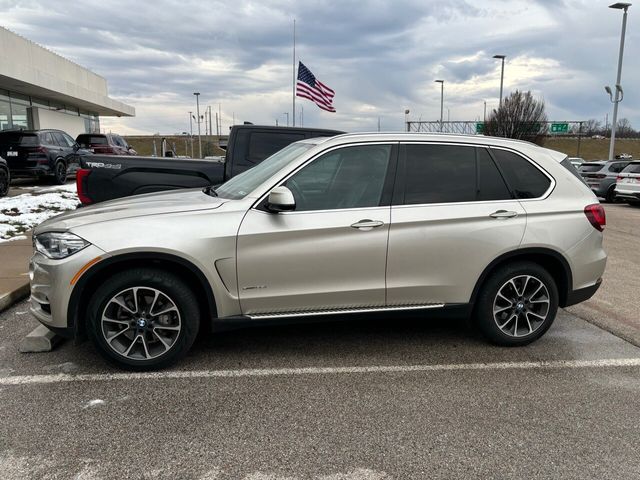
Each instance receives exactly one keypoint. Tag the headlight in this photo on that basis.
(59, 245)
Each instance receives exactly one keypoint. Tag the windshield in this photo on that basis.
(242, 185)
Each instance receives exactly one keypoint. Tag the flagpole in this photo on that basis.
(294, 73)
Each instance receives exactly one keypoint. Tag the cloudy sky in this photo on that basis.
(379, 56)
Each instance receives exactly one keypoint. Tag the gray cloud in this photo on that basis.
(381, 57)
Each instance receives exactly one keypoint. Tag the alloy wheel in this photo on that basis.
(521, 306)
(141, 323)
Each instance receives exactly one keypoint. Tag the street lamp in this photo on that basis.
(501, 57)
(197, 94)
(441, 82)
(406, 118)
(617, 98)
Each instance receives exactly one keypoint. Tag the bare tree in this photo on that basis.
(624, 128)
(591, 127)
(520, 116)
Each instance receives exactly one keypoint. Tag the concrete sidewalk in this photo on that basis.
(14, 270)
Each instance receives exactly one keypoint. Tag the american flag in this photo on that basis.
(309, 87)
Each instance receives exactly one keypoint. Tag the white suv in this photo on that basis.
(502, 230)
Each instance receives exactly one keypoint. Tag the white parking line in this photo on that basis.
(270, 372)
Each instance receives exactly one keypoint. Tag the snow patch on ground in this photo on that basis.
(23, 212)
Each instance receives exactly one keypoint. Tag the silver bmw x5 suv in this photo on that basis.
(499, 230)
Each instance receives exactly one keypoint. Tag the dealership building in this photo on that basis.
(40, 89)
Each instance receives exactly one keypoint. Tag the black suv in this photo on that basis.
(37, 153)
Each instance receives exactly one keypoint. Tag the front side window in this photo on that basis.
(349, 177)
(243, 184)
(525, 180)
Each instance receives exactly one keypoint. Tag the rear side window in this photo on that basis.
(263, 145)
(439, 174)
(525, 180)
(632, 168)
(61, 140)
(18, 138)
(617, 167)
(47, 138)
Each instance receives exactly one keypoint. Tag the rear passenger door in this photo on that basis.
(452, 214)
(67, 151)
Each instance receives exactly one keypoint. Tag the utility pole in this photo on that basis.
(441, 82)
(197, 94)
(618, 87)
(501, 57)
(210, 123)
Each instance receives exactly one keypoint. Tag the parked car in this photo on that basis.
(39, 153)
(106, 178)
(628, 184)
(624, 156)
(500, 230)
(105, 144)
(576, 161)
(5, 178)
(601, 176)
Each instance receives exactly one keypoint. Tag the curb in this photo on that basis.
(14, 296)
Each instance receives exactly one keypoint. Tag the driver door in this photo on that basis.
(330, 252)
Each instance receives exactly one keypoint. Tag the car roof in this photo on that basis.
(519, 145)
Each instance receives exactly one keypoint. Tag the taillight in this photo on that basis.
(81, 185)
(600, 176)
(618, 178)
(36, 151)
(596, 216)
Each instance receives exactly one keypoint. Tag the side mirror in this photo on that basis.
(76, 147)
(281, 200)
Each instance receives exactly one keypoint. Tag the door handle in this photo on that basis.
(503, 214)
(367, 224)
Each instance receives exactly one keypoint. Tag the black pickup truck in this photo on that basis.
(105, 177)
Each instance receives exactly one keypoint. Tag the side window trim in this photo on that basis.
(388, 190)
(504, 177)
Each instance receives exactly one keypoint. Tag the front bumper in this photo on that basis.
(51, 287)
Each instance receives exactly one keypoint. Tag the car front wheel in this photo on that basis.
(143, 319)
(517, 304)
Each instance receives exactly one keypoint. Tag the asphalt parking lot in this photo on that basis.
(376, 399)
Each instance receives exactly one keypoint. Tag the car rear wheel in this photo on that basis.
(5, 180)
(60, 173)
(143, 319)
(517, 304)
(610, 197)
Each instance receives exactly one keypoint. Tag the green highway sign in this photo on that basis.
(480, 127)
(559, 128)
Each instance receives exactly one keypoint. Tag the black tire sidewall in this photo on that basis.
(167, 283)
(56, 178)
(5, 181)
(484, 306)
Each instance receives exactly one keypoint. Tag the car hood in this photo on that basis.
(136, 206)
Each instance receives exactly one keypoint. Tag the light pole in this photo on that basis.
(287, 114)
(617, 98)
(501, 57)
(441, 82)
(406, 119)
(197, 94)
(191, 132)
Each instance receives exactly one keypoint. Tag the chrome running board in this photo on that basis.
(341, 311)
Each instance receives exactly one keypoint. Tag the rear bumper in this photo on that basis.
(36, 171)
(582, 294)
(627, 194)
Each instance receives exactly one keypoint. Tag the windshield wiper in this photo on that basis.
(210, 191)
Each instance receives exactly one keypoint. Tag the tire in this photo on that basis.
(60, 172)
(610, 197)
(529, 321)
(633, 203)
(5, 181)
(161, 331)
